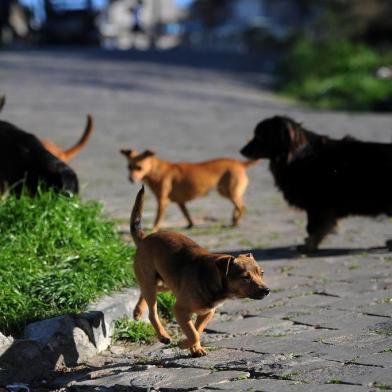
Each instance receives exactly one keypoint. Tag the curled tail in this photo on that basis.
(251, 162)
(71, 152)
(135, 223)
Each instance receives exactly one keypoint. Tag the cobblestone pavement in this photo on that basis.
(328, 318)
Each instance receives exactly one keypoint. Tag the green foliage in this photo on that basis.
(340, 75)
(57, 254)
(133, 331)
(166, 301)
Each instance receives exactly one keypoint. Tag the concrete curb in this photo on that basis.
(66, 340)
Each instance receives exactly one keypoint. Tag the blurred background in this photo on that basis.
(329, 53)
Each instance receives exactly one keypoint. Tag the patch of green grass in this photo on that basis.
(133, 331)
(354, 266)
(57, 255)
(388, 350)
(166, 301)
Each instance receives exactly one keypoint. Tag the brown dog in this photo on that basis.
(183, 181)
(67, 155)
(200, 280)
(54, 149)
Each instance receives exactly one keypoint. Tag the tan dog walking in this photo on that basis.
(183, 181)
(200, 280)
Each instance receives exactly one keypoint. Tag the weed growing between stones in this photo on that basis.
(133, 331)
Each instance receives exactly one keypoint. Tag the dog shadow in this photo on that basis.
(291, 252)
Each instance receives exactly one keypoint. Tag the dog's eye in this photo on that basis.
(246, 279)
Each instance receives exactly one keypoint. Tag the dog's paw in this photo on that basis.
(165, 339)
(198, 351)
(304, 249)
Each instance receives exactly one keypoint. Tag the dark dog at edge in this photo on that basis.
(328, 178)
(25, 162)
(200, 280)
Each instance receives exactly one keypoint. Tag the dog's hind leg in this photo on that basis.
(185, 211)
(140, 308)
(233, 186)
(239, 209)
(319, 225)
(202, 320)
(149, 293)
(192, 341)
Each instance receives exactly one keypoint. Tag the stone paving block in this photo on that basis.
(348, 289)
(353, 354)
(378, 310)
(246, 325)
(361, 301)
(382, 359)
(267, 385)
(314, 300)
(223, 359)
(290, 344)
(337, 319)
(142, 378)
(347, 373)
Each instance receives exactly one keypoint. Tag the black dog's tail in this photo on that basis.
(2, 102)
(136, 218)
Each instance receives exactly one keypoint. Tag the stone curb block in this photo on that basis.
(66, 340)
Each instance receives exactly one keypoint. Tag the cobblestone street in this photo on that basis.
(327, 320)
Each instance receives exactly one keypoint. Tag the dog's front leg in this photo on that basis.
(185, 211)
(320, 223)
(192, 341)
(202, 321)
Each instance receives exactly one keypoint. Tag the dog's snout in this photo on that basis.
(266, 291)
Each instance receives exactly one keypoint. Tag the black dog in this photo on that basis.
(24, 162)
(328, 178)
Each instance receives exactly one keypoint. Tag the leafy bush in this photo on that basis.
(57, 254)
(339, 75)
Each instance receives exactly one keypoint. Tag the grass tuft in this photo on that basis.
(57, 255)
(133, 331)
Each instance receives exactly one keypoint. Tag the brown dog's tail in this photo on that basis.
(71, 152)
(251, 162)
(135, 223)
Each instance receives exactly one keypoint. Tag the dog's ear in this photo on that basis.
(126, 153)
(297, 138)
(224, 264)
(148, 153)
